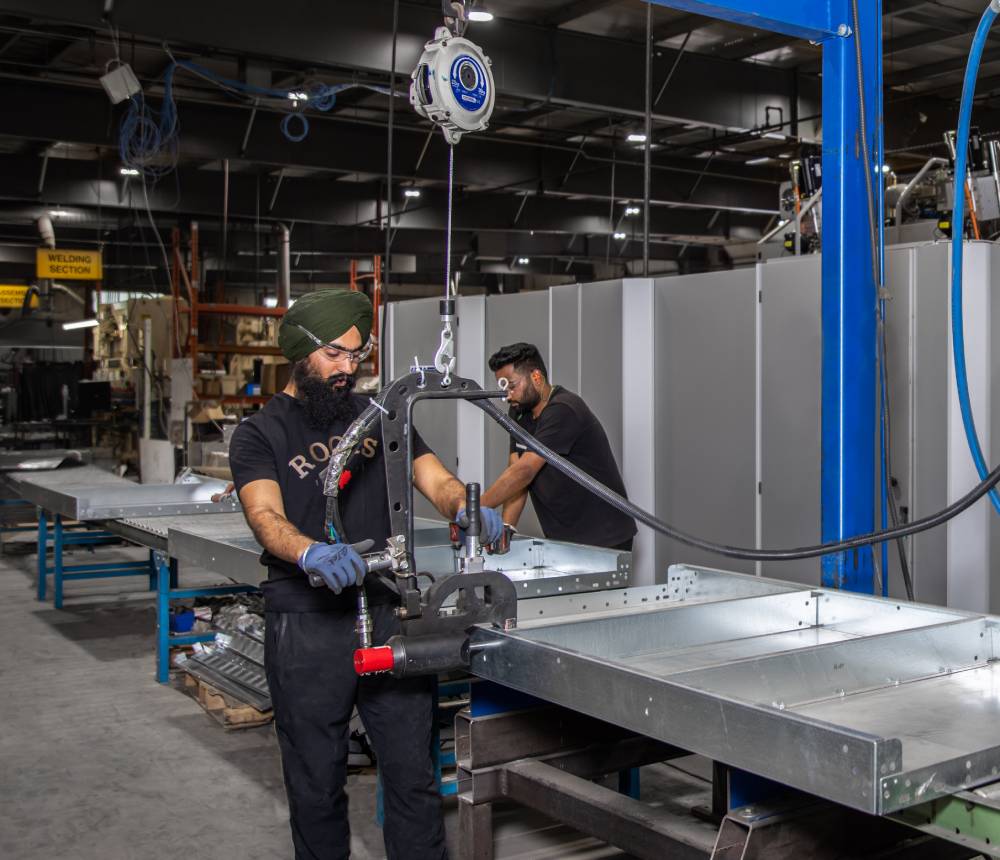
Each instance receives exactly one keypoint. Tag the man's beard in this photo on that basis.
(529, 400)
(323, 401)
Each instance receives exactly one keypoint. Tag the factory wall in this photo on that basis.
(709, 388)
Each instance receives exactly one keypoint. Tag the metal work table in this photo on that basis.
(89, 493)
(114, 509)
(538, 567)
(226, 545)
(12, 461)
(872, 704)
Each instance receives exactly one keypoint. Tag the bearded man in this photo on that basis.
(277, 456)
(561, 420)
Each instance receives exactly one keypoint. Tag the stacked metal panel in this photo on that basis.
(235, 666)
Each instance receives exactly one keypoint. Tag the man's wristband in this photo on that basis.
(301, 560)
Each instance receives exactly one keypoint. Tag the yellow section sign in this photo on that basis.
(12, 296)
(68, 265)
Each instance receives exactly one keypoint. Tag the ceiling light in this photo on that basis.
(128, 171)
(411, 192)
(763, 160)
(523, 261)
(80, 324)
(619, 235)
(479, 13)
(59, 213)
(636, 137)
(774, 135)
(270, 301)
(632, 210)
(298, 97)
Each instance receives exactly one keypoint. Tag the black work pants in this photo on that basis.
(309, 662)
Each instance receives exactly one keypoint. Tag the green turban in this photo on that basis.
(328, 314)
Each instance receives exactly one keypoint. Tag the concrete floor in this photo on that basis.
(99, 762)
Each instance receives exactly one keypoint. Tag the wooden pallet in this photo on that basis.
(226, 711)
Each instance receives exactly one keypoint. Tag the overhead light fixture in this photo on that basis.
(59, 213)
(632, 210)
(764, 160)
(270, 301)
(80, 324)
(619, 235)
(411, 192)
(479, 13)
(636, 137)
(774, 135)
(128, 171)
(298, 96)
(523, 261)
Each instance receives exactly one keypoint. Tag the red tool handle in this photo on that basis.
(368, 661)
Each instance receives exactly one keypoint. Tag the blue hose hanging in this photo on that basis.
(957, 243)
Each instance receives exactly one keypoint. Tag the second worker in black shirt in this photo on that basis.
(561, 420)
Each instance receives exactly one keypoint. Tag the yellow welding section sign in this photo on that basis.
(12, 296)
(68, 265)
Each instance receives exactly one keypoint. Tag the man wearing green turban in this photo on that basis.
(277, 457)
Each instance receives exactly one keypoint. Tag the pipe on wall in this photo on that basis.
(284, 265)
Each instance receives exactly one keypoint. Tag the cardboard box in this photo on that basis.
(206, 413)
(274, 377)
(230, 385)
(211, 387)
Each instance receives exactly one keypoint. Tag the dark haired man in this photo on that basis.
(561, 420)
(277, 457)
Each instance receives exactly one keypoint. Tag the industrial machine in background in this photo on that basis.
(921, 209)
(917, 210)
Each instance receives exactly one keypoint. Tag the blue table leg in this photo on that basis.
(628, 782)
(153, 571)
(43, 548)
(165, 569)
(57, 558)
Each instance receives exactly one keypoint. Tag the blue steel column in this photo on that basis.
(849, 298)
(848, 306)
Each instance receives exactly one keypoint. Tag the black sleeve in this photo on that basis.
(420, 447)
(558, 428)
(512, 415)
(251, 457)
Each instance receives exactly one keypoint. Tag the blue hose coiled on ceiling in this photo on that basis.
(957, 242)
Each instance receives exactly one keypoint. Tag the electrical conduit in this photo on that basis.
(957, 242)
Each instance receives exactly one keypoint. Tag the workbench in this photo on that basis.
(111, 509)
(180, 523)
(880, 706)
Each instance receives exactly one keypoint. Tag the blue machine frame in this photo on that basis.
(849, 295)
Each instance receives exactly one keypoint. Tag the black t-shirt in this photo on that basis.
(277, 444)
(567, 511)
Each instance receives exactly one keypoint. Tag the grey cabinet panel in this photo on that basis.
(791, 372)
(512, 319)
(704, 389)
(917, 340)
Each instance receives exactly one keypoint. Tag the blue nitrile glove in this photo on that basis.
(491, 525)
(338, 564)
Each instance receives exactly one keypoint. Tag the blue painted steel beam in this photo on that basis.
(849, 291)
(805, 20)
